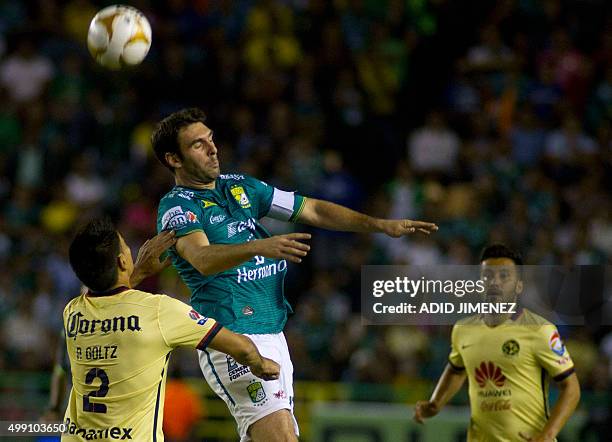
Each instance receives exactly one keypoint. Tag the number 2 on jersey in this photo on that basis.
(101, 392)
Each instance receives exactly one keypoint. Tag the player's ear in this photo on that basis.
(519, 287)
(173, 160)
(122, 262)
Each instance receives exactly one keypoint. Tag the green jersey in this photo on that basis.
(248, 298)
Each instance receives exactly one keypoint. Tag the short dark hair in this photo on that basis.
(93, 254)
(165, 136)
(501, 251)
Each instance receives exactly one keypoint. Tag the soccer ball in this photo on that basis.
(119, 36)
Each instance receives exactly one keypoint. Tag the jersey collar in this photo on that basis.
(514, 317)
(517, 314)
(107, 292)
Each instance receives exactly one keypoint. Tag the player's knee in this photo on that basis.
(275, 436)
(276, 427)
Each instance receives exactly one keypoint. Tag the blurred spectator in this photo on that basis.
(25, 74)
(569, 143)
(83, 185)
(490, 53)
(434, 147)
(527, 139)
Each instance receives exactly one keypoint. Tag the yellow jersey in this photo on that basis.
(119, 344)
(508, 369)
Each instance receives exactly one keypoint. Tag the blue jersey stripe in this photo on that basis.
(218, 378)
(157, 400)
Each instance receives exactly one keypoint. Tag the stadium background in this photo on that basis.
(492, 119)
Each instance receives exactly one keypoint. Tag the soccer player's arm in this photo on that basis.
(193, 245)
(332, 216)
(184, 217)
(448, 385)
(208, 258)
(552, 355)
(57, 388)
(180, 325)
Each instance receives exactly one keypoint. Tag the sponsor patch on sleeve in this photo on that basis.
(175, 218)
(556, 344)
(201, 320)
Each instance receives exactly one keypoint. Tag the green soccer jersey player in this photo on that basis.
(235, 269)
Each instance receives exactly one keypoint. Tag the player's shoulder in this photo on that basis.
(528, 318)
(72, 304)
(178, 208)
(178, 194)
(238, 179)
(169, 304)
(465, 326)
(141, 297)
(470, 320)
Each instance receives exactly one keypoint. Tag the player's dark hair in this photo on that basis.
(93, 254)
(165, 136)
(501, 251)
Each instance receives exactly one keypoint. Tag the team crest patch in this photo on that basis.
(511, 347)
(256, 392)
(240, 196)
(556, 344)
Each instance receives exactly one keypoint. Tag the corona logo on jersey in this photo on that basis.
(489, 371)
(487, 374)
(78, 325)
(240, 196)
(556, 344)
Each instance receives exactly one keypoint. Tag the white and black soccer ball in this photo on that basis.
(119, 36)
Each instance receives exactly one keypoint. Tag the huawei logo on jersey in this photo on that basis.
(488, 370)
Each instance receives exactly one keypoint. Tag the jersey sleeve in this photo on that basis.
(551, 353)
(179, 213)
(276, 203)
(454, 358)
(180, 325)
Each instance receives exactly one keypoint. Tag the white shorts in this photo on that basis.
(250, 398)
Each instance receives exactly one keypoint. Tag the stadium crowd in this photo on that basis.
(492, 120)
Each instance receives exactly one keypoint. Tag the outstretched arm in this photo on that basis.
(332, 216)
(448, 385)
